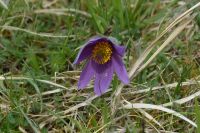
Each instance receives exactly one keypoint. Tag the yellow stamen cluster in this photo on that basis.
(102, 52)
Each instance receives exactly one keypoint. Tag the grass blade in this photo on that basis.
(3, 4)
(197, 112)
(156, 107)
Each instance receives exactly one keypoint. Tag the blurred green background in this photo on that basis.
(39, 39)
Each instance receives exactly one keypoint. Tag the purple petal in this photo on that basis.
(86, 50)
(120, 68)
(86, 75)
(100, 68)
(119, 49)
(103, 80)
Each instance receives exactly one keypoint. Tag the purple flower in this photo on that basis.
(104, 57)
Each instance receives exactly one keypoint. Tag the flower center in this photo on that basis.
(102, 52)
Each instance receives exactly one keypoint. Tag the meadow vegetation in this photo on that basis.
(39, 40)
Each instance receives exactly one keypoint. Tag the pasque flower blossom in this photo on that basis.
(104, 57)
